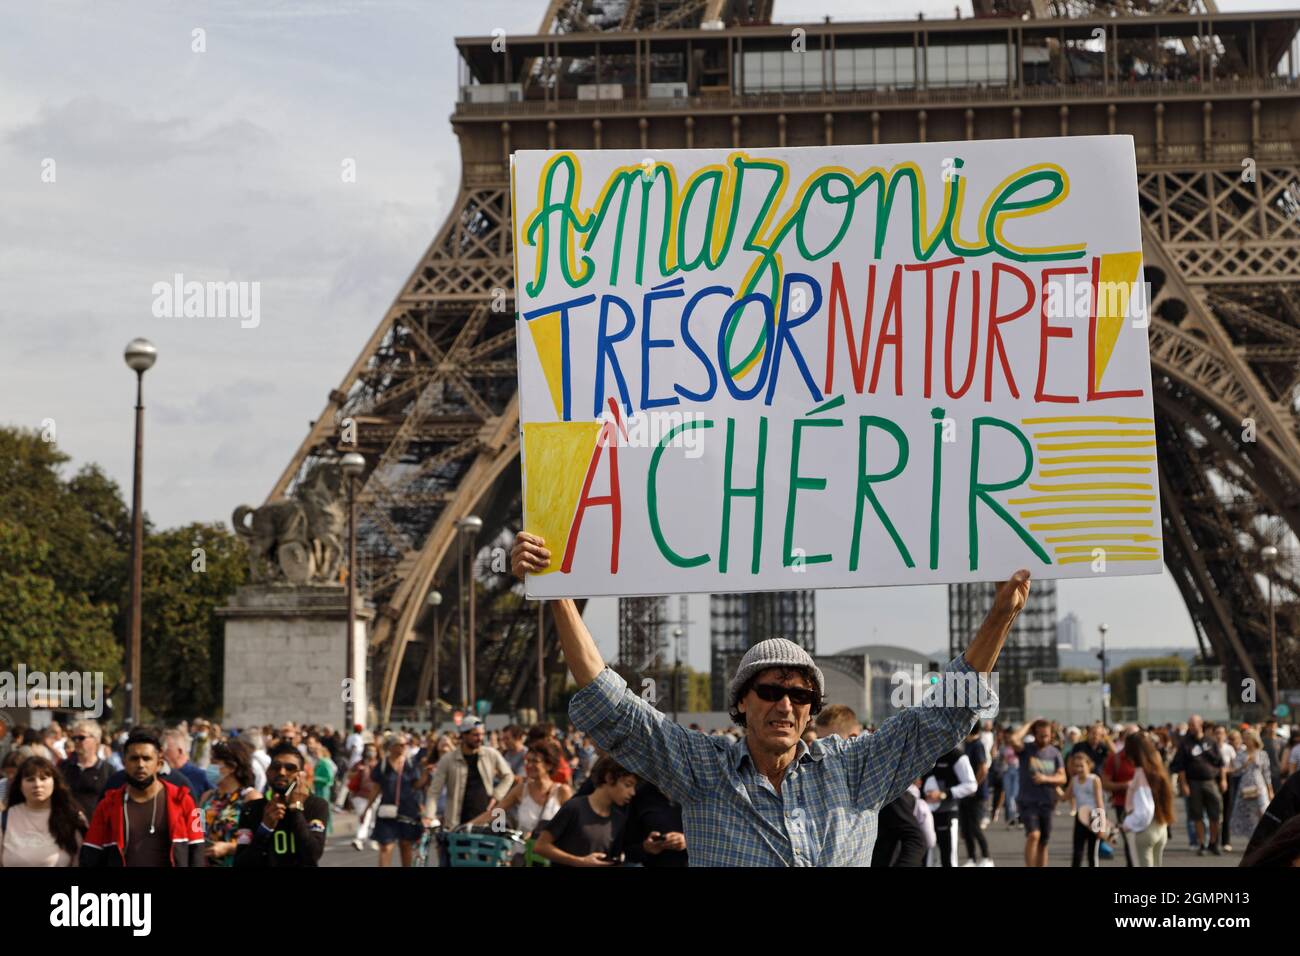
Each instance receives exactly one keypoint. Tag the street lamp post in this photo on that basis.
(1102, 628)
(352, 465)
(1269, 555)
(140, 356)
(434, 600)
(469, 525)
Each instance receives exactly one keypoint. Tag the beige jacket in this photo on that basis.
(453, 771)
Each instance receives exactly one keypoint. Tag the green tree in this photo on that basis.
(42, 626)
(188, 573)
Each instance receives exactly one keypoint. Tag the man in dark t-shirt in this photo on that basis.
(1042, 770)
(1199, 765)
(1096, 745)
(588, 830)
(476, 800)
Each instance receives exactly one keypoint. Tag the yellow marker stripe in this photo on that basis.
(1119, 536)
(1072, 525)
(1047, 499)
(1068, 459)
(1076, 445)
(1106, 547)
(1117, 470)
(1086, 510)
(1104, 432)
(1118, 419)
(1089, 486)
(1081, 558)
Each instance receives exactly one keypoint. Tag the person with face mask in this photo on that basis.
(287, 828)
(223, 804)
(43, 823)
(147, 821)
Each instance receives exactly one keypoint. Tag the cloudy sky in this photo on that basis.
(129, 155)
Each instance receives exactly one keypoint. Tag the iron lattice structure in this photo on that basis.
(1031, 643)
(431, 397)
(739, 621)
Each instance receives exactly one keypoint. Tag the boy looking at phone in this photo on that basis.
(588, 830)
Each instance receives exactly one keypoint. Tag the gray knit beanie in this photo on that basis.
(774, 652)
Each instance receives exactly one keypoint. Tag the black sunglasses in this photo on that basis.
(799, 696)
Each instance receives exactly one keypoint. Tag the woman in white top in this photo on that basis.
(1089, 805)
(536, 798)
(43, 823)
(1149, 801)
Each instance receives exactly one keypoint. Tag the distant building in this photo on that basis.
(1030, 645)
(1069, 634)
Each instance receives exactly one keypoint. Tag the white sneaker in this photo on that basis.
(358, 845)
(986, 862)
(374, 844)
(970, 863)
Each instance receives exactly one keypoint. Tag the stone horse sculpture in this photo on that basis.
(298, 539)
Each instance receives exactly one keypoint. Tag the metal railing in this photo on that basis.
(1000, 94)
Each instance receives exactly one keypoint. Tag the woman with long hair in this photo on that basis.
(1149, 805)
(536, 797)
(43, 824)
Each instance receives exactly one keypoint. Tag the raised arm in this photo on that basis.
(530, 556)
(637, 735)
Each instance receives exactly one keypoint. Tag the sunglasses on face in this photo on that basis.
(799, 696)
(78, 739)
(285, 767)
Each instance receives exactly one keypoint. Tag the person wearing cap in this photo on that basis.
(770, 798)
(476, 778)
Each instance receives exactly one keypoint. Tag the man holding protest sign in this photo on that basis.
(770, 799)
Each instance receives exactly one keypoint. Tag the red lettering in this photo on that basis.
(893, 307)
(1048, 331)
(606, 441)
(857, 357)
(995, 335)
(1093, 393)
(974, 334)
(928, 268)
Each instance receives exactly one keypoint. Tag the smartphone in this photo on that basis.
(658, 839)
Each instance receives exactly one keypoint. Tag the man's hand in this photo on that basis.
(274, 812)
(529, 555)
(653, 844)
(593, 859)
(1010, 600)
(675, 841)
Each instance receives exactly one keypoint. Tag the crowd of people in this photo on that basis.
(1115, 787)
(194, 795)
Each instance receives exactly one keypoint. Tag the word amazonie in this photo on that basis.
(717, 192)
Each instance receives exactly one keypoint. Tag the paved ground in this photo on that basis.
(1006, 846)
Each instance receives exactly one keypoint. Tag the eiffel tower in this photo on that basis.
(1212, 101)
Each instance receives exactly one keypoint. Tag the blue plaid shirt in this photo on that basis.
(825, 814)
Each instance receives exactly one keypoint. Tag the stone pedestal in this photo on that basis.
(286, 656)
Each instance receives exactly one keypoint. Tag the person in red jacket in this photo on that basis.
(147, 821)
